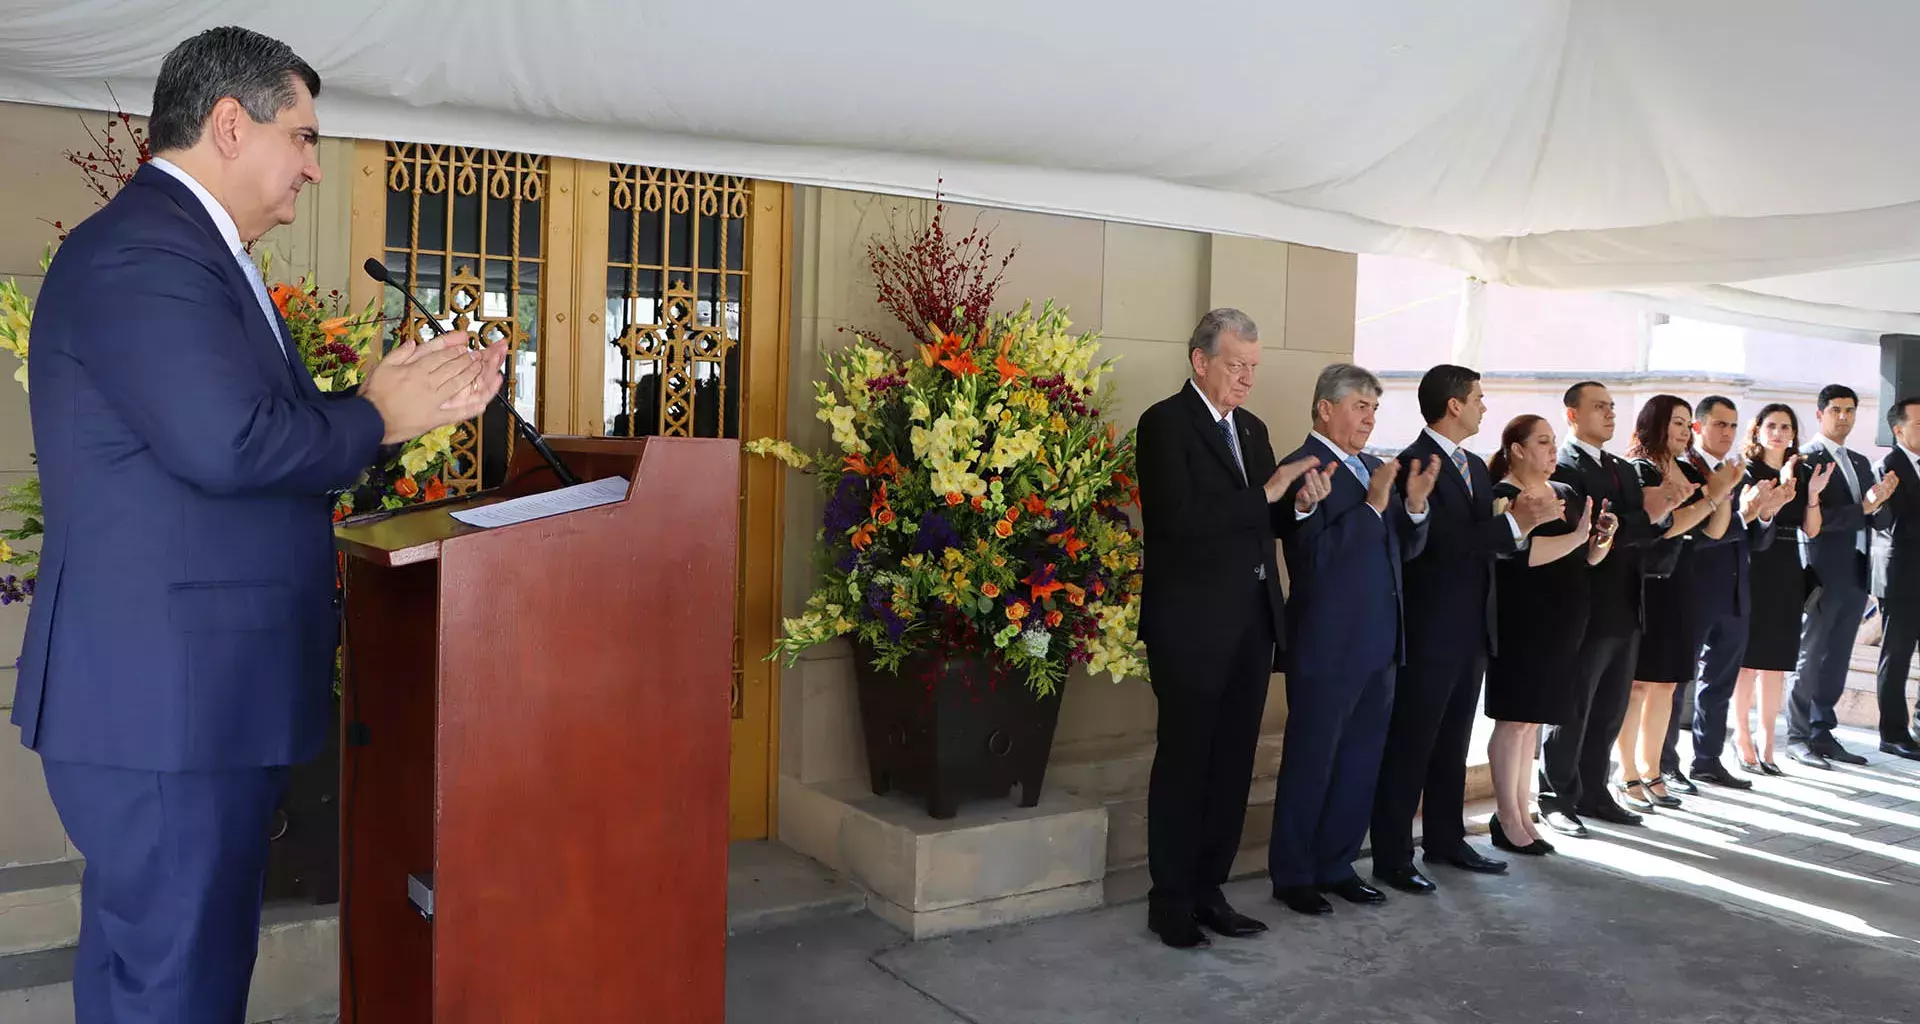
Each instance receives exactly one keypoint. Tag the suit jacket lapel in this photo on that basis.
(1209, 429)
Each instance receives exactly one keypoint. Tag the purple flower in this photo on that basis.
(15, 589)
(880, 600)
(935, 534)
(848, 506)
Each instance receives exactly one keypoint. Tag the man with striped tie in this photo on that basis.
(1450, 634)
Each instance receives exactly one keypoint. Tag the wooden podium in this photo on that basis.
(536, 734)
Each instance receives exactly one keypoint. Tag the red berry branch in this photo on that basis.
(109, 166)
(928, 278)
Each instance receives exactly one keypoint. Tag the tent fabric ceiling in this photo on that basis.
(1747, 155)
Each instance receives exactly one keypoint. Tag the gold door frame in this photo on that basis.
(571, 368)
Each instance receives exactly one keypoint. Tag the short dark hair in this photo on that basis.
(1897, 412)
(1833, 393)
(1573, 393)
(1712, 402)
(1441, 385)
(256, 70)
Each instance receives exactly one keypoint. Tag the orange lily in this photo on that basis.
(863, 537)
(1042, 591)
(879, 500)
(1035, 504)
(1066, 539)
(857, 463)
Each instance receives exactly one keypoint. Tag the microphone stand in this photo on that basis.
(378, 271)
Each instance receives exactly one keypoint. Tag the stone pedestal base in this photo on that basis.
(992, 864)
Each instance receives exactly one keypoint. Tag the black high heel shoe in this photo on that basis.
(1537, 848)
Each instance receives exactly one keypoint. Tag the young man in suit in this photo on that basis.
(1839, 559)
(1896, 580)
(1575, 754)
(1211, 613)
(1345, 638)
(1450, 634)
(178, 655)
(1721, 596)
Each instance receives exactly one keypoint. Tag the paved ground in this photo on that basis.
(1798, 901)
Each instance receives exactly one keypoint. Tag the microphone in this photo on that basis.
(378, 271)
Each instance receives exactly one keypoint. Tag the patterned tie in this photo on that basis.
(1226, 433)
(1359, 467)
(260, 296)
(1460, 463)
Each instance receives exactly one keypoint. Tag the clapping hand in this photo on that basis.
(1724, 479)
(1586, 517)
(1878, 494)
(1420, 481)
(1284, 476)
(1380, 489)
(1533, 508)
(1818, 482)
(422, 387)
(1760, 501)
(1315, 485)
(1605, 523)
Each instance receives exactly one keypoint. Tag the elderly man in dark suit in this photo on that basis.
(1450, 626)
(178, 657)
(1839, 559)
(1211, 613)
(1896, 580)
(1345, 639)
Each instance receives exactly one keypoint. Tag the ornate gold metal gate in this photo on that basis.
(640, 301)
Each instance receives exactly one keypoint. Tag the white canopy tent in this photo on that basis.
(1746, 157)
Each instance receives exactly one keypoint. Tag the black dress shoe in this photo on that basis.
(1903, 748)
(1680, 783)
(1566, 823)
(1353, 890)
(1537, 848)
(1303, 899)
(1466, 858)
(1715, 773)
(1606, 810)
(1176, 927)
(1800, 753)
(1228, 922)
(1833, 751)
(1406, 879)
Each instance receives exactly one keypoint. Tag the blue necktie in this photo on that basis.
(266, 304)
(1359, 467)
(1226, 433)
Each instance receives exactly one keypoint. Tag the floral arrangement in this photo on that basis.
(976, 497)
(334, 345)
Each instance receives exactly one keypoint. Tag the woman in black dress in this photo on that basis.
(1541, 615)
(1670, 645)
(1778, 581)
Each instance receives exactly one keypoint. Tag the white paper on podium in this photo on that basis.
(546, 503)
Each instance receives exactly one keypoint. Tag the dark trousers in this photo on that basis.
(1434, 705)
(1575, 754)
(1900, 631)
(1725, 647)
(1336, 727)
(1208, 729)
(170, 897)
(1826, 648)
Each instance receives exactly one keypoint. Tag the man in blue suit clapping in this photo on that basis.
(1345, 638)
(178, 655)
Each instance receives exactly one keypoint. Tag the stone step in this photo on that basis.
(297, 976)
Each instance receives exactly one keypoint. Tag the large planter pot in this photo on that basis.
(954, 727)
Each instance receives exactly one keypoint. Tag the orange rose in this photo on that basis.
(405, 487)
(1013, 513)
(954, 498)
(1053, 618)
(1017, 611)
(885, 518)
(989, 590)
(1003, 528)
(979, 504)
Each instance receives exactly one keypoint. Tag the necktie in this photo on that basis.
(260, 296)
(1460, 463)
(1233, 445)
(1359, 467)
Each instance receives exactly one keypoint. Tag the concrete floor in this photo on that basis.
(1798, 901)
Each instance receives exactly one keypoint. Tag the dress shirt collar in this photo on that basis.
(1447, 444)
(222, 220)
(1593, 453)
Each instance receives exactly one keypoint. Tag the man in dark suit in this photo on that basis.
(1720, 593)
(1211, 612)
(1345, 638)
(178, 655)
(1575, 754)
(1896, 580)
(1838, 559)
(1450, 633)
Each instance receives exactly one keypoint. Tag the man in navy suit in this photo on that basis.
(1839, 560)
(1450, 634)
(1345, 638)
(178, 653)
(1896, 580)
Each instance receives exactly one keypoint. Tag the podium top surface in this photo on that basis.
(408, 535)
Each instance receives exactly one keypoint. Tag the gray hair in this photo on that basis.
(1206, 334)
(1342, 379)
(256, 70)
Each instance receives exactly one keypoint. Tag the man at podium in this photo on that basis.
(178, 652)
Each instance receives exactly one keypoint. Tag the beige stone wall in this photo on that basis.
(38, 186)
(1143, 288)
